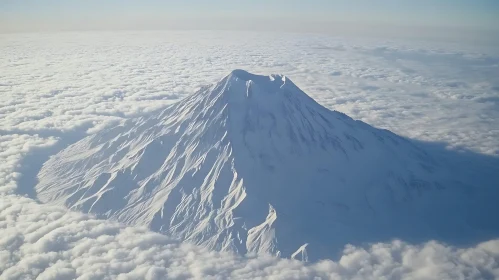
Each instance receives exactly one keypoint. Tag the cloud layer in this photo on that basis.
(45, 242)
(429, 91)
(55, 87)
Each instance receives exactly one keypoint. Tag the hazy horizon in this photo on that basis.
(442, 19)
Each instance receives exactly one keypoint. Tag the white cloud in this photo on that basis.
(430, 91)
(50, 242)
(56, 86)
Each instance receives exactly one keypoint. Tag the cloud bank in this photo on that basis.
(45, 242)
(429, 91)
(55, 87)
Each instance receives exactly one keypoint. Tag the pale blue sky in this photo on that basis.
(299, 14)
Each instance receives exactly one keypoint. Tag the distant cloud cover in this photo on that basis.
(55, 88)
(428, 91)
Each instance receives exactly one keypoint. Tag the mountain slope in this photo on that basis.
(254, 165)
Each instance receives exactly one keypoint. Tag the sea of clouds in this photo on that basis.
(57, 87)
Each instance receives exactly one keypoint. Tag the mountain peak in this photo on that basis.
(252, 164)
(246, 76)
(268, 84)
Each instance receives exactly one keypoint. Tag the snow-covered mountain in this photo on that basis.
(254, 165)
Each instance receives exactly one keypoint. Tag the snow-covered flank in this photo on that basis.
(254, 165)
